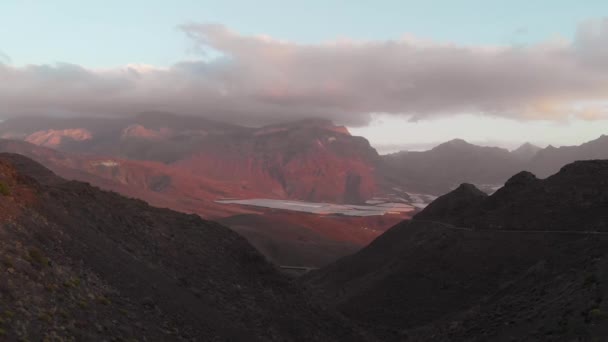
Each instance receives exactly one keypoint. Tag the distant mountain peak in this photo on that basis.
(526, 151)
(457, 142)
(527, 145)
(453, 144)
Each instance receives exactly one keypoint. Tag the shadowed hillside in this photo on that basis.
(526, 263)
(84, 264)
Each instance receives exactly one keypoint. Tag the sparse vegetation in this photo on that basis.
(63, 314)
(4, 189)
(46, 317)
(7, 262)
(83, 304)
(50, 287)
(103, 300)
(72, 282)
(590, 279)
(597, 314)
(34, 255)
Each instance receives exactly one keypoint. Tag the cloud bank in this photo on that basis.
(259, 79)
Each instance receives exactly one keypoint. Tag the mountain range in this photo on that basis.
(449, 164)
(311, 160)
(289, 160)
(189, 163)
(527, 262)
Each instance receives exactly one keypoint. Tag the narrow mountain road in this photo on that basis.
(579, 232)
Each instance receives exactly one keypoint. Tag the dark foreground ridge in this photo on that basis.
(521, 265)
(574, 199)
(78, 263)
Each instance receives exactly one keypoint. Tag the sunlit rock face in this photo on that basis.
(309, 160)
(55, 138)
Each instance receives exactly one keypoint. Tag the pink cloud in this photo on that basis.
(258, 79)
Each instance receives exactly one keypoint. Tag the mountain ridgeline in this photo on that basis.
(525, 263)
(446, 166)
(190, 164)
(574, 199)
(312, 160)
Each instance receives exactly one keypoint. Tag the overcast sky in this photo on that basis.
(402, 73)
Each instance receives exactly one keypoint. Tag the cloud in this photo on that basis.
(259, 79)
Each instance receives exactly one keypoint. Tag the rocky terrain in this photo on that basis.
(465, 268)
(78, 263)
(189, 163)
(164, 186)
(527, 263)
(312, 160)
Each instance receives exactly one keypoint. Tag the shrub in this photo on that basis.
(35, 256)
(72, 282)
(83, 305)
(6, 261)
(590, 279)
(4, 189)
(597, 314)
(103, 300)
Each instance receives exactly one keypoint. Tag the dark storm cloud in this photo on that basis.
(258, 79)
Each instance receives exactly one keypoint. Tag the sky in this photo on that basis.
(405, 74)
